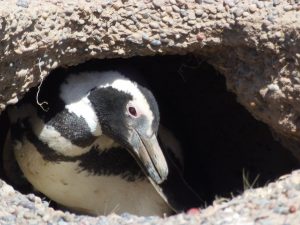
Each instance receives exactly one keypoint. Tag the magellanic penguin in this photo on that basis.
(95, 149)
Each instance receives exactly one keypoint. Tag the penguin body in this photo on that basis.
(95, 149)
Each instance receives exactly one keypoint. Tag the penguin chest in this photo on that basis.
(89, 186)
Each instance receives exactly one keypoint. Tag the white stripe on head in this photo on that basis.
(77, 87)
(74, 93)
(83, 108)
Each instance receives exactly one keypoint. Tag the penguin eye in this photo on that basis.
(132, 111)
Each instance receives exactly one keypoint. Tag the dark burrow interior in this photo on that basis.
(226, 150)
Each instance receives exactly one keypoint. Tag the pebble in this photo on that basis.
(245, 14)
(165, 41)
(276, 2)
(271, 18)
(158, 3)
(145, 37)
(175, 8)
(183, 13)
(154, 25)
(135, 38)
(23, 3)
(238, 12)
(252, 8)
(192, 15)
(208, 1)
(191, 22)
(259, 4)
(230, 3)
(273, 87)
(287, 8)
(282, 210)
(292, 209)
(155, 43)
(198, 12)
(6, 190)
(212, 10)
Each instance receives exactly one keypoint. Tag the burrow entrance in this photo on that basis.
(226, 149)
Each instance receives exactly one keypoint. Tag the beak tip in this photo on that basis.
(159, 177)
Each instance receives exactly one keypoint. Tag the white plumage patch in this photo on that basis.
(54, 139)
(84, 109)
(85, 192)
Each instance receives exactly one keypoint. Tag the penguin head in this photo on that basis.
(128, 113)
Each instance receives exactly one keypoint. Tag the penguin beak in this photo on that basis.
(150, 156)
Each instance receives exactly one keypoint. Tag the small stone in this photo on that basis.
(259, 4)
(230, 3)
(273, 87)
(212, 10)
(23, 3)
(281, 210)
(165, 41)
(191, 22)
(6, 190)
(175, 8)
(204, 15)
(208, 1)
(163, 35)
(22, 72)
(168, 20)
(193, 211)
(245, 14)
(292, 209)
(252, 8)
(277, 34)
(12, 101)
(238, 12)
(198, 12)
(287, 8)
(69, 11)
(145, 37)
(135, 38)
(158, 3)
(145, 15)
(276, 2)
(155, 43)
(271, 18)
(183, 13)
(154, 25)
(192, 15)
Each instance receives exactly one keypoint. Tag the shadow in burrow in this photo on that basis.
(226, 150)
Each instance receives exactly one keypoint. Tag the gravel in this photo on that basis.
(277, 203)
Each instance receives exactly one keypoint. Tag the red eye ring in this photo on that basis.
(132, 111)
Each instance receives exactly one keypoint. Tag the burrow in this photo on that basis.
(226, 150)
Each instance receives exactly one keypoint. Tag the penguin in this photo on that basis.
(95, 148)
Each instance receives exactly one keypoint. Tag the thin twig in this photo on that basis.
(41, 104)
